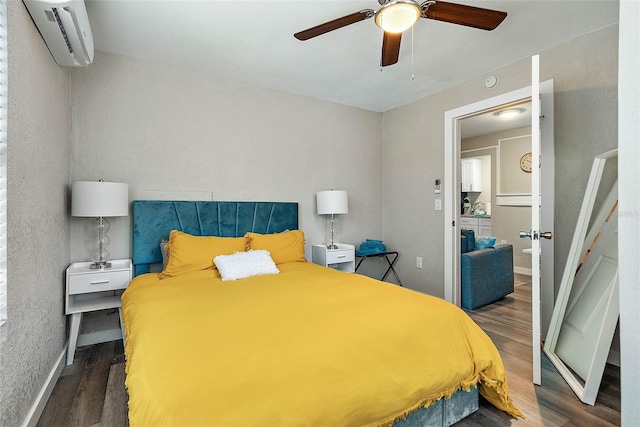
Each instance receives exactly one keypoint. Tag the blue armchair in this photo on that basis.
(487, 274)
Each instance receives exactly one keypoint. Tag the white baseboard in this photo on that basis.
(38, 406)
(522, 270)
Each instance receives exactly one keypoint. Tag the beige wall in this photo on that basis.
(585, 125)
(506, 221)
(38, 225)
(164, 129)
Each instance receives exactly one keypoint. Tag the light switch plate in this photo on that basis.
(438, 205)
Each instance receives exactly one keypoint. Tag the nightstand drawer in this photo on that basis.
(336, 256)
(342, 259)
(98, 282)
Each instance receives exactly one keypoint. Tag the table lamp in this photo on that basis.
(332, 202)
(100, 199)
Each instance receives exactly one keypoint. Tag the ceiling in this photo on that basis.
(485, 123)
(252, 42)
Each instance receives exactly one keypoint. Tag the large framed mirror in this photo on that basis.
(587, 306)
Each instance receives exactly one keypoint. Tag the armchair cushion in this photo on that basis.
(469, 241)
(487, 275)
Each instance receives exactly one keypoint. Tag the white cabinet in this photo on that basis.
(343, 258)
(91, 290)
(471, 175)
(469, 224)
(484, 227)
(480, 226)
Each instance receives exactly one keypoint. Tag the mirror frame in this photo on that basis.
(587, 392)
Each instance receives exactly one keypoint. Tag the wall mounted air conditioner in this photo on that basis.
(64, 26)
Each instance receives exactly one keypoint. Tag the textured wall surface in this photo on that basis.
(171, 131)
(38, 225)
(413, 159)
(586, 122)
(585, 125)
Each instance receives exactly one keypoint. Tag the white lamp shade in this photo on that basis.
(332, 202)
(99, 199)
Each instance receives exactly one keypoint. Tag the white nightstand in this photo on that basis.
(343, 258)
(91, 290)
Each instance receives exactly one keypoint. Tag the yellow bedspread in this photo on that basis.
(307, 347)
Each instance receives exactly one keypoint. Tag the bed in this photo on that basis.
(307, 345)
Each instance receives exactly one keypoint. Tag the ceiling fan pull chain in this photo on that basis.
(381, 58)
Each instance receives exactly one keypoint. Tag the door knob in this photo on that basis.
(525, 234)
(535, 236)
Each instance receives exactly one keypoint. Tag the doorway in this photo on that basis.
(453, 207)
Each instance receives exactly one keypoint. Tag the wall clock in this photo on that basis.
(525, 162)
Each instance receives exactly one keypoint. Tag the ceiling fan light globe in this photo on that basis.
(397, 16)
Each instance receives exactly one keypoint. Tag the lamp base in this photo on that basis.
(332, 246)
(100, 265)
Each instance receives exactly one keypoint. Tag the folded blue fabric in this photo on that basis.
(371, 247)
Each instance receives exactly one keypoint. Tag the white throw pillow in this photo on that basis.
(245, 264)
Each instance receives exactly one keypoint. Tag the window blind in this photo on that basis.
(3, 163)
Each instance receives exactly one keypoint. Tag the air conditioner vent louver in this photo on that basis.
(64, 26)
(62, 30)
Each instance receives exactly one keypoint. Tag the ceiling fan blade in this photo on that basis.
(476, 17)
(318, 30)
(390, 48)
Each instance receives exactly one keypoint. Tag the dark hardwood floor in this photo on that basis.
(91, 391)
(508, 323)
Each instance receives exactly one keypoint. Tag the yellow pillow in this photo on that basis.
(186, 253)
(284, 247)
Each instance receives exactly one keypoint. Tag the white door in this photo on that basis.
(538, 211)
(535, 217)
(544, 212)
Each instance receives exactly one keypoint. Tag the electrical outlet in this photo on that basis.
(419, 262)
(503, 242)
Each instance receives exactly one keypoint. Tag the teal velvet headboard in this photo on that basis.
(153, 220)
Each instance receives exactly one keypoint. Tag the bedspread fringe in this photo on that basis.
(486, 385)
(493, 388)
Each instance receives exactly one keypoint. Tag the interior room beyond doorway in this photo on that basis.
(484, 138)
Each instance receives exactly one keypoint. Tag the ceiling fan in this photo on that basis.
(396, 16)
